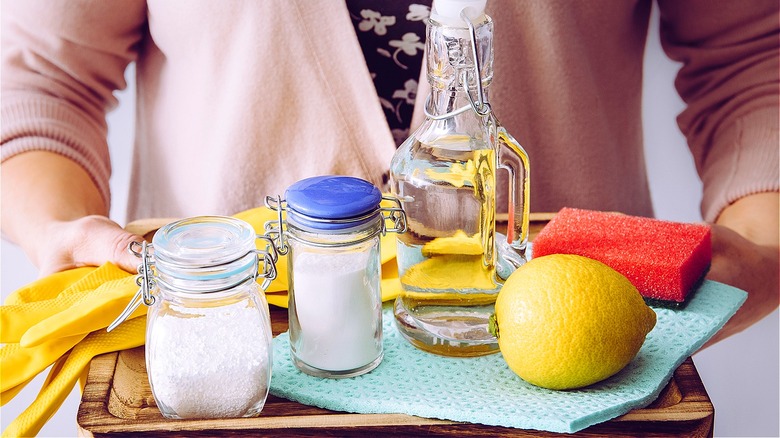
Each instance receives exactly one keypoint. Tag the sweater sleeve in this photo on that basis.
(61, 62)
(729, 81)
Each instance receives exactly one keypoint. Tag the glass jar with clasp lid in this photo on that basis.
(331, 238)
(208, 334)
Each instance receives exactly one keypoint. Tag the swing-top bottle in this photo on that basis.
(451, 263)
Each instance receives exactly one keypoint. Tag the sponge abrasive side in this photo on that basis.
(664, 260)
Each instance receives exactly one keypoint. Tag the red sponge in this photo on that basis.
(664, 260)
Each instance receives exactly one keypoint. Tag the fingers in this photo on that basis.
(104, 241)
(120, 254)
(90, 241)
(753, 268)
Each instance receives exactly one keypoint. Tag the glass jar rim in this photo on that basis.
(204, 248)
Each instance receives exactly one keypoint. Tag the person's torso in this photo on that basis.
(238, 100)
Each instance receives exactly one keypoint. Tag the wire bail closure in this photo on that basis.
(396, 215)
(275, 230)
(270, 256)
(478, 104)
(145, 278)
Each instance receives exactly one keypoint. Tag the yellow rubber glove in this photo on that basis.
(16, 319)
(277, 300)
(19, 364)
(48, 287)
(96, 309)
(9, 394)
(128, 335)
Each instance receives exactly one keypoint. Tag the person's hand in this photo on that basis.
(54, 211)
(751, 267)
(87, 241)
(746, 254)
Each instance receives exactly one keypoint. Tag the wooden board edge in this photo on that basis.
(694, 405)
(313, 422)
(93, 407)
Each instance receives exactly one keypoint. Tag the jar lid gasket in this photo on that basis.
(203, 241)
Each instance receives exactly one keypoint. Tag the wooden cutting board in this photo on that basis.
(117, 402)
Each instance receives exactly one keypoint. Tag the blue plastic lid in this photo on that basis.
(331, 202)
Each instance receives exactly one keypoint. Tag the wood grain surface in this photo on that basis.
(117, 402)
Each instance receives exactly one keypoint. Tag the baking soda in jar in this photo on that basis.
(209, 361)
(208, 331)
(338, 307)
(331, 235)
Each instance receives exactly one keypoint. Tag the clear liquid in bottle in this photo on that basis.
(446, 259)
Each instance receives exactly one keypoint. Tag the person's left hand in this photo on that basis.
(746, 255)
(738, 262)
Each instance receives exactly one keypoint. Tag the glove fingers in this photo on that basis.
(55, 370)
(19, 364)
(10, 393)
(83, 378)
(128, 335)
(95, 310)
(29, 422)
(48, 287)
(17, 319)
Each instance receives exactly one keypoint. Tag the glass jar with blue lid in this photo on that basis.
(331, 237)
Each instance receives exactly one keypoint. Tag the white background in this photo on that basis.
(740, 373)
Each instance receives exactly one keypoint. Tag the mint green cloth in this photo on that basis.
(484, 390)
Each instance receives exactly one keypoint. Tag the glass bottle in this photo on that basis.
(331, 238)
(450, 261)
(208, 331)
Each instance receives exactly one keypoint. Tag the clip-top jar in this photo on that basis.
(331, 234)
(208, 335)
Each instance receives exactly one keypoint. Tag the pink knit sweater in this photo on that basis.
(239, 99)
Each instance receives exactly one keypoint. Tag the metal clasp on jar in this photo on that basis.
(145, 278)
(396, 215)
(276, 229)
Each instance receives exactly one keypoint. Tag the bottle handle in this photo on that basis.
(513, 158)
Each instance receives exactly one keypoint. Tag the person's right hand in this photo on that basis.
(87, 241)
(54, 211)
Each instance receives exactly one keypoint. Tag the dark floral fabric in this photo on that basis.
(392, 36)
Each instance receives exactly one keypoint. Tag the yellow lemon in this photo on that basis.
(566, 321)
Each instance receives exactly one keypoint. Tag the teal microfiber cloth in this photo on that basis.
(484, 390)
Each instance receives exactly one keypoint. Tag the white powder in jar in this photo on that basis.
(338, 305)
(210, 362)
